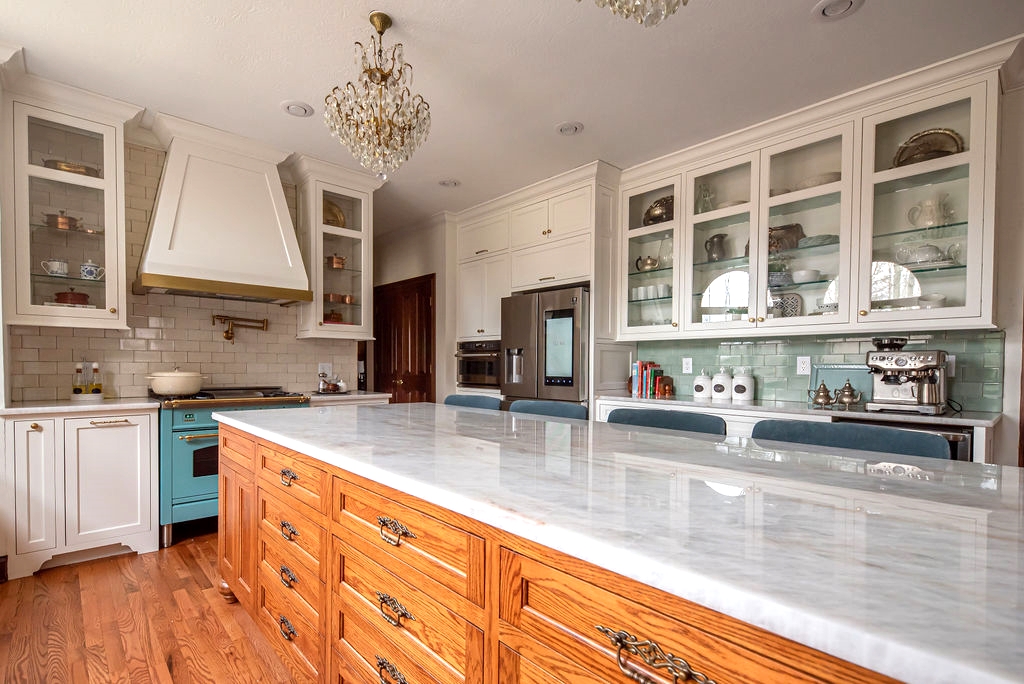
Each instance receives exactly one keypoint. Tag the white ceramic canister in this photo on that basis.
(721, 386)
(742, 385)
(702, 385)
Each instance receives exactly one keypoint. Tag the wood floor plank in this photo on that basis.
(92, 619)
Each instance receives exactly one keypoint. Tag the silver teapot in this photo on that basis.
(647, 263)
(821, 397)
(846, 396)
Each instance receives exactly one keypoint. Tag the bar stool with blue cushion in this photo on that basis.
(558, 409)
(878, 438)
(670, 420)
(473, 401)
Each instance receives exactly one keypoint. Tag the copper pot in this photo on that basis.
(71, 297)
(335, 261)
(61, 221)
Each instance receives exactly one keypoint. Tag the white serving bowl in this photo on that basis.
(931, 301)
(806, 275)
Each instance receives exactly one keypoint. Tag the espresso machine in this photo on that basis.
(909, 381)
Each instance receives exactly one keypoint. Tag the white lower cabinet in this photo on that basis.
(81, 482)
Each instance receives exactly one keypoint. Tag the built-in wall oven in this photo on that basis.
(478, 364)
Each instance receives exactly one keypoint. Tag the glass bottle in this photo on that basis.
(96, 383)
(78, 383)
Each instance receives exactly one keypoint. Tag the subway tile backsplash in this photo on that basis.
(978, 383)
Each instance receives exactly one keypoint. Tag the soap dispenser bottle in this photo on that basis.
(721, 386)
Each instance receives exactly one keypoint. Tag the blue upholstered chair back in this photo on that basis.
(670, 420)
(473, 401)
(854, 436)
(558, 409)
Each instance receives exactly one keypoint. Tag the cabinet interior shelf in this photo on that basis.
(652, 300)
(67, 280)
(343, 271)
(653, 271)
(926, 270)
(816, 197)
(722, 218)
(89, 232)
(942, 170)
(800, 286)
(957, 229)
(806, 251)
(722, 264)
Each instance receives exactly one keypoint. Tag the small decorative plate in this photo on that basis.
(817, 240)
(789, 305)
(930, 144)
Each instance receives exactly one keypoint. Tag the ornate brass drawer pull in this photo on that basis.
(287, 631)
(109, 422)
(290, 475)
(397, 529)
(653, 656)
(397, 608)
(287, 576)
(288, 530)
(385, 665)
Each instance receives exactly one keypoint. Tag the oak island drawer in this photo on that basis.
(297, 580)
(293, 477)
(608, 634)
(293, 634)
(443, 552)
(304, 540)
(426, 629)
(238, 447)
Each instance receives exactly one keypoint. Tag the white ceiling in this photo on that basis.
(499, 77)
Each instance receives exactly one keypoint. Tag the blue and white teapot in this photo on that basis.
(91, 270)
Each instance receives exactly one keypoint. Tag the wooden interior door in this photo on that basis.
(403, 350)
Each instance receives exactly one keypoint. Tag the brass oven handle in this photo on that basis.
(290, 474)
(383, 664)
(287, 631)
(109, 422)
(206, 435)
(397, 608)
(287, 576)
(288, 531)
(653, 656)
(396, 528)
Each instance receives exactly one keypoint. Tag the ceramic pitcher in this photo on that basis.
(930, 212)
(715, 246)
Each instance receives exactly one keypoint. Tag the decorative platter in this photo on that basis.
(930, 144)
(333, 216)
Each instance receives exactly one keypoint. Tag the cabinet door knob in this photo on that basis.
(35, 426)
(750, 320)
(113, 310)
(760, 319)
(675, 324)
(863, 312)
(319, 322)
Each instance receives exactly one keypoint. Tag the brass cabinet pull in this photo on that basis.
(546, 278)
(113, 310)
(482, 251)
(397, 529)
(118, 421)
(287, 631)
(675, 324)
(206, 435)
(288, 531)
(399, 382)
(290, 474)
(397, 608)
(479, 330)
(287, 576)
(760, 319)
(385, 665)
(653, 656)
(750, 320)
(34, 426)
(863, 312)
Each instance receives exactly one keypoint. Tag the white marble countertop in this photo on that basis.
(920, 579)
(964, 418)
(68, 406)
(341, 397)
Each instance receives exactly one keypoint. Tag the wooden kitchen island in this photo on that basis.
(421, 542)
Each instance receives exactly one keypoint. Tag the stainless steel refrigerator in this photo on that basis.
(544, 342)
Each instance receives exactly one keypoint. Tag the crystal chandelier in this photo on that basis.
(377, 117)
(646, 12)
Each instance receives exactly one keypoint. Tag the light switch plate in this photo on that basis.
(325, 368)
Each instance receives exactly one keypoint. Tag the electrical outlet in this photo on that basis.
(950, 365)
(325, 368)
(803, 365)
(687, 364)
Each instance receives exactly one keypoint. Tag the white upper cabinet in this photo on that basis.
(482, 284)
(485, 237)
(552, 219)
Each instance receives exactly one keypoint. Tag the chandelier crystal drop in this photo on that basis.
(647, 12)
(377, 117)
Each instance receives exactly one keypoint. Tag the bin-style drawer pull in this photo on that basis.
(397, 529)
(287, 475)
(385, 665)
(109, 422)
(653, 656)
(288, 530)
(287, 631)
(397, 608)
(287, 576)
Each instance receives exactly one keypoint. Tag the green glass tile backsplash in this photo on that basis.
(978, 383)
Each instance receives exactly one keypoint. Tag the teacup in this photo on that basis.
(55, 267)
(92, 271)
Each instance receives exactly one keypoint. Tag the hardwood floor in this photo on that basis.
(155, 617)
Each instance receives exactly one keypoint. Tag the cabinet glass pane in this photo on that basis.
(721, 189)
(923, 135)
(66, 245)
(721, 269)
(343, 280)
(803, 257)
(806, 167)
(649, 283)
(919, 240)
(649, 208)
(65, 148)
(341, 211)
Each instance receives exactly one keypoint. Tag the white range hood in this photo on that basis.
(220, 227)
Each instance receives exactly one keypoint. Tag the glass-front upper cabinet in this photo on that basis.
(804, 241)
(651, 251)
(719, 242)
(68, 264)
(923, 240)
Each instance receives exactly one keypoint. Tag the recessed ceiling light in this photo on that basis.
(835, 9)
(296, 108)
(449, 183)
(570, 128)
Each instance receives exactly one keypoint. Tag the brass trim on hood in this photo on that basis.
(220, 288)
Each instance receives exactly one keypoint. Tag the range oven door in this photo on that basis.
(193, 468)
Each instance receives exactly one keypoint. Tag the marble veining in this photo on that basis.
(917, 577)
